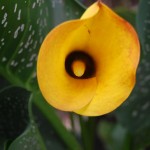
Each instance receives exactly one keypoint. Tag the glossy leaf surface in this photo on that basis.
(23, 27)
(135, 113)
(13, 113)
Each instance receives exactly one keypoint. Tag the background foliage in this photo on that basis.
(27, 121)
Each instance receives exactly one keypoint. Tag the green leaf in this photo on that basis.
(135, 112)
(143, 25)
(65, 10)
(30, 140)
(24, 25)
(3, 83)
(32, 127)
(127, 14)
(13, 113)
(50, 115)
(114, 136)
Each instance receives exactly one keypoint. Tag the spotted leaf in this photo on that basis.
(23, 25)
(13, 113)
(45, 130)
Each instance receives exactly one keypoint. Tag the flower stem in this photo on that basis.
(87, 132)
(50, 114)
(72, 122)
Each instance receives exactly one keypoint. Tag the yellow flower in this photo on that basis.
(88, 65)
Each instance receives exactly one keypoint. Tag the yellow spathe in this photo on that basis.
(113, 46)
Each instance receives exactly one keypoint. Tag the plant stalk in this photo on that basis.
(87, 132)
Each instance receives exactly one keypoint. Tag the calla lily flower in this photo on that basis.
(89, 65)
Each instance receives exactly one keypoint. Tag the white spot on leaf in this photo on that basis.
(2, 39)
(29, 65)
(33, 6)
(4, 18)
(145, 106)
(16, 32)
(22, 60)
(15, 8)
(22, 27)
(5, 25)
(30, 27)
(33, 56)
(134, 113)
(2, 8)
(20, 51)
(4, 59)
(19, 14)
